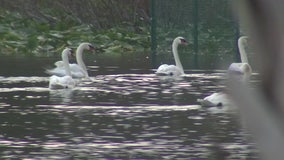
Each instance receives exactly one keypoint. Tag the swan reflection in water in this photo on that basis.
(61, 96)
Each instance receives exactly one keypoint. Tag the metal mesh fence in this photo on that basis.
(208, 25)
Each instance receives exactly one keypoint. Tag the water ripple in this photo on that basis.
(125, 116)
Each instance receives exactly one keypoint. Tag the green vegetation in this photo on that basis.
(26, 36)
(44, 28)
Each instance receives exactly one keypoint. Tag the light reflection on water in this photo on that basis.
(124, 116)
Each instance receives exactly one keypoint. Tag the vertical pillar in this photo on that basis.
(195, 32)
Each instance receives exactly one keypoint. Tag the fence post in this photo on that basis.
(153, 33)
(195, 32)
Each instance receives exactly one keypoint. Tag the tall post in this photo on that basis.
(195, 32)
(153, 33)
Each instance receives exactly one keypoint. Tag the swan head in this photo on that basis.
(244, 42)
(243, 39)
(87, 46)
(67, 52)
(180, 40)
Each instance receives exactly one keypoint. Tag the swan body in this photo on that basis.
(173, 70)
(241, 71)
(218, 99)
(64, 82)
(56, 82)
(169, 70)
(78, 70)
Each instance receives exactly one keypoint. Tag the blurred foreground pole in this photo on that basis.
(262, 108)
(195, 32)
(153, 33)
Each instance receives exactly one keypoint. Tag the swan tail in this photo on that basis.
(162, 74)
(48, 71)
(61, 86)
(52, 72)
(58, 86)
(206, 103)
(56, 71)
(59, 64)
(61, 82)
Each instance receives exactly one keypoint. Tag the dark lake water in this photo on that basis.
(123, 113)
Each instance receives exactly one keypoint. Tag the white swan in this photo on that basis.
(56, 82)
(241, 71)
(77, 70)
(218, 99)
(172, 70)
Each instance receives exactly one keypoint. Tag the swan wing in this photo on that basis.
(59, 64)
(216, 99)
(75, 67)
(205, 103)
(162, 68)
(56, 82)
(76, 70)
(168, 70)
(56, 71)
(236, 67)
(68, 81)
(240, 67)
(59, 70)
(241, 71)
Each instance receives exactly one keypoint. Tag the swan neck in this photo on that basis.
(65, 60)
(79, 59)
(243, 54)
(176, 56)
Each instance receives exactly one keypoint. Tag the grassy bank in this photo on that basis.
(25, 36)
